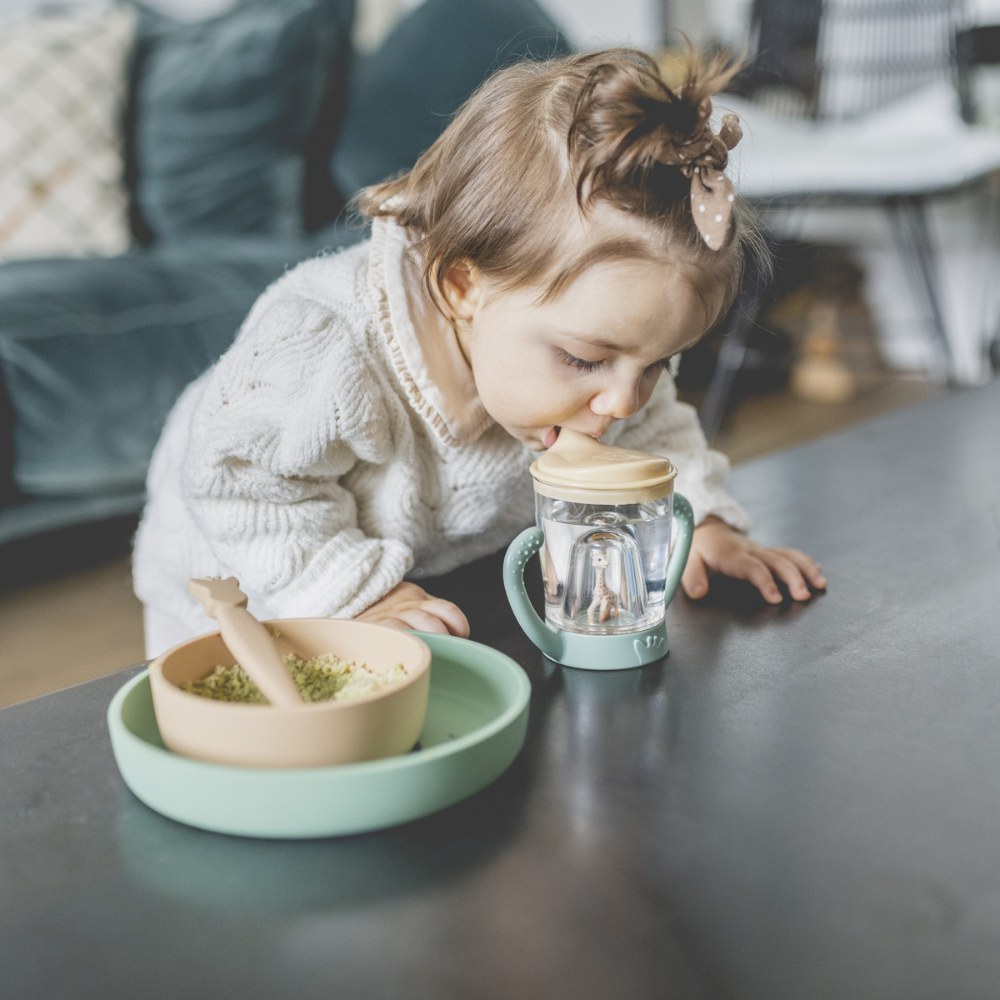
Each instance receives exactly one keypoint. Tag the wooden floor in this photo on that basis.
(68, 630)
(764, 424)
(77, 617)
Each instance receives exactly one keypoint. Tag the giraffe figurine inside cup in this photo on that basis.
(605, 602)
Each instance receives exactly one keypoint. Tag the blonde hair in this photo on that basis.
(537, 140)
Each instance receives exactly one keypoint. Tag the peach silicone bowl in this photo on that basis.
(311, 735)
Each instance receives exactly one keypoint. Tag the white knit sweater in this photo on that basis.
(339, 445)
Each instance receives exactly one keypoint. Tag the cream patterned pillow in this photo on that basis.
(62, 91)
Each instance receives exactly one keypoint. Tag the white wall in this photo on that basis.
(983, 11)
(595, 24)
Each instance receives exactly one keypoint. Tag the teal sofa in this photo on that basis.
(246, 136)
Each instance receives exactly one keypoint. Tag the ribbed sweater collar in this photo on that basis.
(422, 345)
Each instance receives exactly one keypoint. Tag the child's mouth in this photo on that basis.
(550, 437)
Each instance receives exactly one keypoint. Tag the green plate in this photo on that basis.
(477, 716)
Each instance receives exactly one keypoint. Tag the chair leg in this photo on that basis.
(742, 319)
(908, 222)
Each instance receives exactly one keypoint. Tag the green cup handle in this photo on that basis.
(683, 533)
(521, 550)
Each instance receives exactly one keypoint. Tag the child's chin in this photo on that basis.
(531, 441)
(530, 438)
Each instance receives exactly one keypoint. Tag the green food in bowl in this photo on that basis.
(322, 678)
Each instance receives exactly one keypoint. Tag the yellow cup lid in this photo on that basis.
(578, 467)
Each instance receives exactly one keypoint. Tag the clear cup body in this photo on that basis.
(604, 565)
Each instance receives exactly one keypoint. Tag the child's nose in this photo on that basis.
(617, 401)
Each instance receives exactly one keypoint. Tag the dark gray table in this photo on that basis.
(801, 802)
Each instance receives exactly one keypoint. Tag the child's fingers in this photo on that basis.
(422, 620)
(755, 571)
(451, 614)
(789, 574)
(695, 577)
(390, 622)
(809, 567)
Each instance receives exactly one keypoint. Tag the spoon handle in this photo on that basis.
(247, 639)
(252, 646)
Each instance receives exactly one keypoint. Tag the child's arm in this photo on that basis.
(720, 544)
(270, 452)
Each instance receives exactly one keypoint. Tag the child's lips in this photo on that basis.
(549, 437)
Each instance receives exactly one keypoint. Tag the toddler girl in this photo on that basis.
(569, 233)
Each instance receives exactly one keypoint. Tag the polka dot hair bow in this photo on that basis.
(702, 156)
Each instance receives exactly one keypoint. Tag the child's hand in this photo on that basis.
(717, 548)
(410, 606)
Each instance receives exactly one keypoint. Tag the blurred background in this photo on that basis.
(162, 162)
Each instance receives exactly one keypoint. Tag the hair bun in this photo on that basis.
(627, 122)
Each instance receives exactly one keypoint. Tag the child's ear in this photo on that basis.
(461, 285)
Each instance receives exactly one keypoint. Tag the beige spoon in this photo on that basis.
(249, 641)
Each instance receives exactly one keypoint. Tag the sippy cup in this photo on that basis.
(605, 517)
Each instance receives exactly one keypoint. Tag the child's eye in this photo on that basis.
(574, 362)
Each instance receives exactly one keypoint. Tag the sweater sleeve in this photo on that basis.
(666, 426)
(286, 413)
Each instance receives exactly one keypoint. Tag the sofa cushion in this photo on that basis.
(8, 492)
(231, 118)
(62, 86)
(403, 94)
(94, 352)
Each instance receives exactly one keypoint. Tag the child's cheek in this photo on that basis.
(646, 389)
(523, 406)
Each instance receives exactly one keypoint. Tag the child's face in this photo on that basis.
(583, 360)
